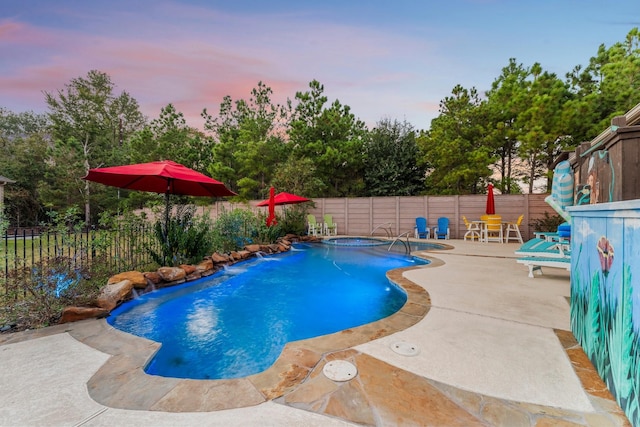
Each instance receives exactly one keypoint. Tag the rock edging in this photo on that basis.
(124, 286)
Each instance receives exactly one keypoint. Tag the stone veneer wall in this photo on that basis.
(605, 295)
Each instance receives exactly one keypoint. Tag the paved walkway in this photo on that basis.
(486, 345)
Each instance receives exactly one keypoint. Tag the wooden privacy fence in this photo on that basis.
(358, 216)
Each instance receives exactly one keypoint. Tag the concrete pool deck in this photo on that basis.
(489, 347)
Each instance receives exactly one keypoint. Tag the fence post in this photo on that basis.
(5, 238)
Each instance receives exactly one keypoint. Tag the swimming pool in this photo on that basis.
(236, 322)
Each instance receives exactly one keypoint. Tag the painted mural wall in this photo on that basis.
(605, 295)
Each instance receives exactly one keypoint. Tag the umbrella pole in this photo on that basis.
(166, 215)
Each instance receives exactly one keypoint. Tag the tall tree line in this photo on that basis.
(509, 135)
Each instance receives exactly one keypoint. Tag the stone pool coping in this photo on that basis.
(122, 383)
(381, 391)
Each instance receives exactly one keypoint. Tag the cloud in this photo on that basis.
(632, 223)
(395, 62)
(158, 60)
(582, 228)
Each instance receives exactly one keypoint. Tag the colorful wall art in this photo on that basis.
(605, 295)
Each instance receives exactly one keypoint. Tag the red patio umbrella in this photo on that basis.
(163, 177)
(271, 219)
(491, 205)
(285, 199)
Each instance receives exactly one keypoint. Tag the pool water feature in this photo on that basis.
(236, 322)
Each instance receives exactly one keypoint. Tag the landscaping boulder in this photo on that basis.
(275, 248)
(111, 295)
(188, 269)
(153, 277)
(193, 276)
(219, 258)
(137, 278)
(205, 265)
(171, 274)
(74, 314)
(253, 248)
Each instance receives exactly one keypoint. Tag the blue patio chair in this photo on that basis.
(421, 229)
(442, 230)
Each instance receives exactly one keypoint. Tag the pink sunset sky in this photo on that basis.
(384, 59)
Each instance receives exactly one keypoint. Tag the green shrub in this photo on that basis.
(294, 219)
(548, 223)
(234, 230)
(264, 234)
(184, 239)
(35, 297)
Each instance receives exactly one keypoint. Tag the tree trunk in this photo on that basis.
(87, 190)
(509, 161)
(532, 173)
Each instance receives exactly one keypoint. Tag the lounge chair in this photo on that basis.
(513, 228)
(551, 236)
(536, 263)
(313, 227)
(421, 229)
(330, 227)
(442, 229)
(531, 243)
(564, 231)
(473, 229)
(563, 234)
(544, 249)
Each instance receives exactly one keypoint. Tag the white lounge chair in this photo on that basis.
(536, 263)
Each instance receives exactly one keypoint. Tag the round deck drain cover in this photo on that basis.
(405, 348)
(340, 370)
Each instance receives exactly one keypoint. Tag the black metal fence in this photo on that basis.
(117, 250)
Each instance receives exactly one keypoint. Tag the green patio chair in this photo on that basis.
(330, 227)
(313, 227)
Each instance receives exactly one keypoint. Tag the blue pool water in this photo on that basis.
(236, 322)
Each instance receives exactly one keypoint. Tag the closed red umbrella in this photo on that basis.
(491, 204)
(271, 219)
(285, 199)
